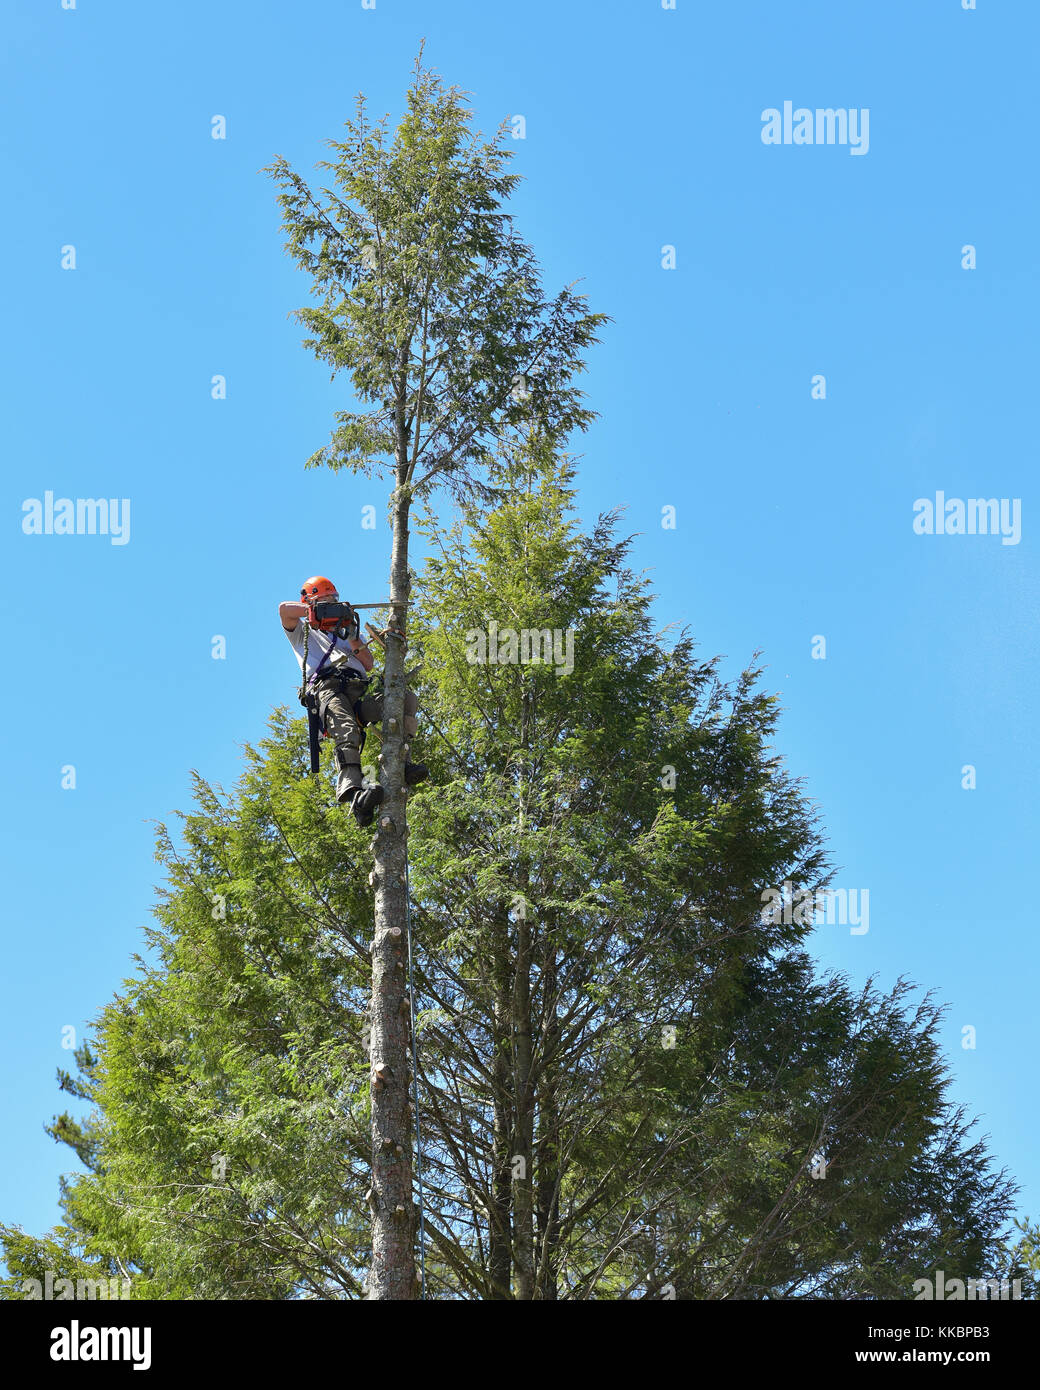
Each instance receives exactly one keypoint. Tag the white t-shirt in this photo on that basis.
(318, 643)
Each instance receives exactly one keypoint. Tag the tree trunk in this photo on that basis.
(523, 1068)
(392, 1273)
(500, 1260)
(548, 1158)
(523, 1190)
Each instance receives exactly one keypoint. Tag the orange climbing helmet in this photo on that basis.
(312, 591)
(317, 587)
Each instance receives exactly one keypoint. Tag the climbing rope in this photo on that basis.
(415, 1075)
(303, 673)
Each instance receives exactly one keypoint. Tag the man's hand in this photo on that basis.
(360, 650)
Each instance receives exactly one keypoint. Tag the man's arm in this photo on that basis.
(290, 614)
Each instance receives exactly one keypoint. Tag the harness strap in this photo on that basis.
(321, 663)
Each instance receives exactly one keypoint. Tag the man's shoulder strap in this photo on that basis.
(321, 663)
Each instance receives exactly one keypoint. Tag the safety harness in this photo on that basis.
(311, 700)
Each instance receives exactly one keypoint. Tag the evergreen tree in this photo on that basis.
(632, 1082)
(631, 1071)
(433, 305)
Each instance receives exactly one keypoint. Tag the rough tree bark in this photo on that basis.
(500, 1253)
(523, 1143)
(392, 1273)
(548, 1153)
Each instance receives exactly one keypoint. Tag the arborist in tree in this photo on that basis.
(335, 662)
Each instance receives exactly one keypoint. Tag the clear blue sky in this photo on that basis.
(794, 515)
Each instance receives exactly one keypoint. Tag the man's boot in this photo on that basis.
(350, 789)
(349, 779)
(414, 773)
(364, 801)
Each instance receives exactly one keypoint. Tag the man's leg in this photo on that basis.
(371, 711)
(343, 728)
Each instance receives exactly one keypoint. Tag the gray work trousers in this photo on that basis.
(344, 710)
